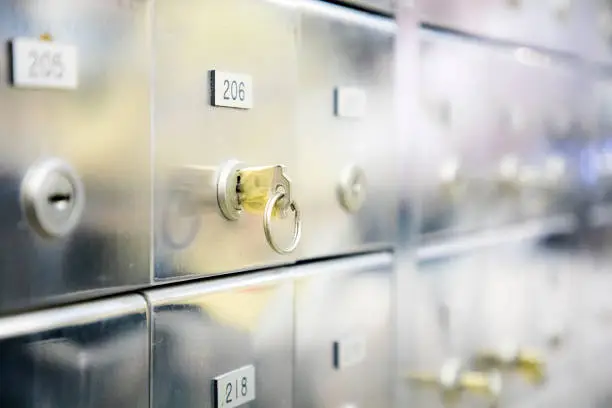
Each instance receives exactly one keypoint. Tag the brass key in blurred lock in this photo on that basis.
(263, 190)
(524, 362)
(453, 379)
(256, 185)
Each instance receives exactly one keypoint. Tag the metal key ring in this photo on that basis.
(267, 220)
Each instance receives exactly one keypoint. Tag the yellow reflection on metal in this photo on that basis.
(240, 309)
(526, 363)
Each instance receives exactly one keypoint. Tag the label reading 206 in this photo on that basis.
(231, 90)
(234, 388)
(44, 64)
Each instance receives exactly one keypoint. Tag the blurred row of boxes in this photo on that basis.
(512, 163)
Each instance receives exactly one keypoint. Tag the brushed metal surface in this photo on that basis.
(192, 37)
(595, 30)
(101, 129)
(344, 299)
(345, 48)
(554, 24)
(203, 330)
(482, 107)
(90, 355)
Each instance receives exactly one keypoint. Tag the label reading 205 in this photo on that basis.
(44, 64)
(234, 388)
(231, 90)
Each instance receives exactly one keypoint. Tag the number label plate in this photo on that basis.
(44, 64)
(349, 352)
(231, 90)
(234, 388)
(350, 102)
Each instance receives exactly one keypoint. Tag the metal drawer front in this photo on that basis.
(503, 127)
(343, 333)
(505, 304)
(459, 119)
(552, 24)
(193, 138)
(205, 330)
(90, 355)
(348, 153)
(92, 117)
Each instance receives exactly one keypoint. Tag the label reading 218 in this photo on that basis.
(234, 388)
(44, 64)
(231, 90)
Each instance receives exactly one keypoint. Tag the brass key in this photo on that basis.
(453, 379)
(264, 190)
(256, 185)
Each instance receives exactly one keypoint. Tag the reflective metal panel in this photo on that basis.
(348, 149)
(501, 135)
(100, 129)
(90, 355)
(344, 333)
(204, 330)
(552, 24)
(253, 40)
(506, 301)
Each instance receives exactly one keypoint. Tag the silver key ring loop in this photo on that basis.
(267, 220)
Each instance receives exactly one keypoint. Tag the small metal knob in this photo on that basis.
(352, 188)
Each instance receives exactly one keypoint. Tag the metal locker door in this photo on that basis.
(90, 355)
(343, 332)
(455, 160)
(446, 332)
(224, 90)
(223, 343)
(74, 188)
(348, 150)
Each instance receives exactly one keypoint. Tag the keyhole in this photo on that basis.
(60, 201)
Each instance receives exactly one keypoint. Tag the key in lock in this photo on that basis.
(264, 190)
(256, 185)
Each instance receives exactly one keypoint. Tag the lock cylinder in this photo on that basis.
(263, 190)
(52, 198)
(453, 379)
(527, 363)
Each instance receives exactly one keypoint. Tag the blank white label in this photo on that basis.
(231, 90)
(234, 388)
(349, 352)
(44, 64)
(350, 102)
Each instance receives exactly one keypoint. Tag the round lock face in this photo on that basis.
(352, 188)
(52, 198)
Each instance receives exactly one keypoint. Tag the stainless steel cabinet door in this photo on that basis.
(205, 330)
(90, 355)
(457, 150)
(253, 41)
(344, 333)
(502, 131)
(348, 151)
(92, 112)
